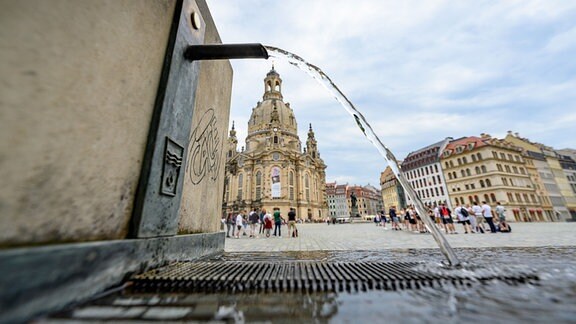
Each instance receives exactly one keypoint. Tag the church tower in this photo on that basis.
(274, 171)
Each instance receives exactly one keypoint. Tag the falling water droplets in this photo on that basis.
(317, 74)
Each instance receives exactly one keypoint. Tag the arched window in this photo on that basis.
(479, 156)
(464, 160)
(240, 185)
(493, 197)
(473, 158)
(484, 169)
(291, 184)
(275, 139)
(482, 183)
(459, 161)
(477, 169)
(307, 187)
(468, 173)
(470, 199)
(454, 175)
(227, 183)
(258, 185)
(446, 165)
(488, 183)
(463, 173)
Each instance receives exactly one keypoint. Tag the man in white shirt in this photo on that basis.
(478, 217)
(239, 224)
(487, 213)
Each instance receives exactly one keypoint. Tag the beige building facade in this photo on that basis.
(487, 169)
(274, 171)
(391, 190)
(556, 189)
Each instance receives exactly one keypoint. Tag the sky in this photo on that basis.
(419, 71)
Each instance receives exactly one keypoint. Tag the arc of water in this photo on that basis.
(367, 130)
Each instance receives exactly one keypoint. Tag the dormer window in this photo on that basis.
(471, 146)
(459, 149)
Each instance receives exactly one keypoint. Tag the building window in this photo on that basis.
(484, 170)
(499, 167)
(479, 156)
(463, 173)
(468, 173)
(477, 170)
(240, 184)
(482, 184)
(464, 160)
(493, 197)
(473, 158)
(307, 187)
(488, 183)
(258, 185)
(291, 184)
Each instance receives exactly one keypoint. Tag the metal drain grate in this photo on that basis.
(289, 276)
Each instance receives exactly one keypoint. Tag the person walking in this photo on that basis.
(447, 219)
(292, 230)
(478, 217)
(487, 213)
(463, 218)
(277, 222)
(262, 214)
(500, 212)
(268, 220)
(394, 219)
(253, 221)
(239, 223)
(230, 221)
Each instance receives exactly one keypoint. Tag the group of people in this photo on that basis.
(473, 219)
(259, 223)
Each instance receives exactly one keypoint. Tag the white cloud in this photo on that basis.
(418, 71)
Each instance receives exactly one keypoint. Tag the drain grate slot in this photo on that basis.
(305, 276)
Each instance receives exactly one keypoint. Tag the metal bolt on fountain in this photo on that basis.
(241, 51)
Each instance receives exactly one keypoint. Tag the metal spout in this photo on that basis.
(225, 52)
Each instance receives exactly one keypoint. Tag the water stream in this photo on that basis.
(367, 130)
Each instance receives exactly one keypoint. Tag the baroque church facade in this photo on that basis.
(274, 170)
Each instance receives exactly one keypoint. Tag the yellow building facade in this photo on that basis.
(487, 169)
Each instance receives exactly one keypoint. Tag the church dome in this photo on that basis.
(272, 112)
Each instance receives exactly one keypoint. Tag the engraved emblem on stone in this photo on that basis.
(173, 153)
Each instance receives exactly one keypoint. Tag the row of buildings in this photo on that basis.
(275, 170)
(533, 181)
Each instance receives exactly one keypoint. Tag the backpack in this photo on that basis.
(464, 212)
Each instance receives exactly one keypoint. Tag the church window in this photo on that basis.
(275, 139)
(291, 184)
(307, 187)
(240, 181)
(258, 185)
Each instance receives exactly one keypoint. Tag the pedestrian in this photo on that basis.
(446, 214)
(383, 219)
(292, 230)
(230, 221)
(267, 224)
(240, 224)
(261, 222)
(477, 210)
(438, 217)
(277, 222)
(394, 218)
(253, 221)
(500, 212)
(487, 213)
(463, 217)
